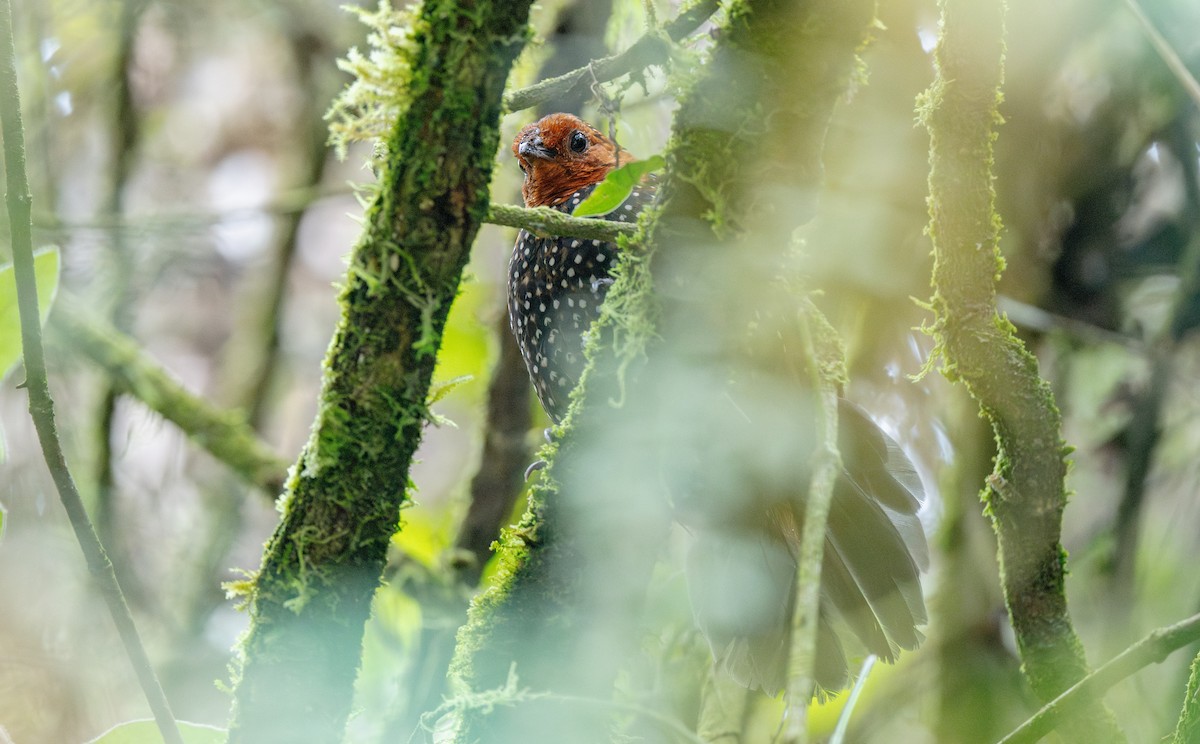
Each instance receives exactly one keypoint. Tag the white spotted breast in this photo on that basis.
(555, 287)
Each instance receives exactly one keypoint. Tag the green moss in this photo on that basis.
(225, 434)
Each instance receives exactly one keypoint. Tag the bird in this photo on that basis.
(742, 564)
(556, 284)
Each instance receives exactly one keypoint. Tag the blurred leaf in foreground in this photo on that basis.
(45, 266)
(146, 732)
(616, 187)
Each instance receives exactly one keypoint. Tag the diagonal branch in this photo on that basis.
(224, 434)
(978, 347)
(544, 221)
(650, 49)
(1152, 649)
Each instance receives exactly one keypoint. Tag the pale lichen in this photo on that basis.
(367, 108)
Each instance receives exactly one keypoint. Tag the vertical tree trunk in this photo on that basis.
(309, 601)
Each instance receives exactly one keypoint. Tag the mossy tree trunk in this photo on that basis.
(1026, 494)
(309, 601)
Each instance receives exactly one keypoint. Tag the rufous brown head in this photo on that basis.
(561, 154)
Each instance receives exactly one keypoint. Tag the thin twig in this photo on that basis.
(541, 221)
(843, 724)
(1034, 318)
(41, 405)
(252, 357)
(1152, 649)
(826, 366)
(1168, 54)
(648, 50)
(286, 202)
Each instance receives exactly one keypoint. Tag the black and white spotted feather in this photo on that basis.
(555, 287)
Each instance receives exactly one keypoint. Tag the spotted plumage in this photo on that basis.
(556, 284)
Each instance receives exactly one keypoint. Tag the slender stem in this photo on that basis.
(41, 405)
(1152, 649)
(826, 367)
(1168, 54)
(116, 300)
(648, 50)
(843, 724)
(253, 355)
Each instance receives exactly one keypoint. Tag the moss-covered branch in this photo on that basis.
(1150, 650)
(544, 221)
(1027, 492)
(652, 48)
(1168, 54)
(320, 570)
(224, 434)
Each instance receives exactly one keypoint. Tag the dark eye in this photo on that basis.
(579, 142)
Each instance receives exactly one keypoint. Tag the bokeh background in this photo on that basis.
(178, 158)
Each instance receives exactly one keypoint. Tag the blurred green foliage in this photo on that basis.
(1095, 182)
(146, 732)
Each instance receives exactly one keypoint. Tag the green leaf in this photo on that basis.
(3, 511)
(146, 732)
(45, 267)
(616, 187)
(439, 390)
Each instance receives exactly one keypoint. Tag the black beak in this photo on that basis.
(533, 148)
